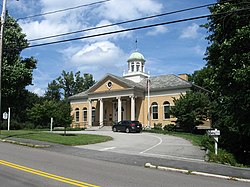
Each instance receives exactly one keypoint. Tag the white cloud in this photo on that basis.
(107, 30)
(129, 9)
(190, 31)
(97, 58)
(37, 90)
(103, 53)
(199, 50)
(157, 30)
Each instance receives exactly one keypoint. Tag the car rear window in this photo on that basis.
(136, 122)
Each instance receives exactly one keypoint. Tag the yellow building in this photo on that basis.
(134, 96)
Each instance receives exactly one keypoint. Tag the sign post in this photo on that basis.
(51, 124)
(9, 119)
(215, 135)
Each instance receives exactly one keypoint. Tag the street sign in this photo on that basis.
(214, 132)
(5, 115)
(215, 135)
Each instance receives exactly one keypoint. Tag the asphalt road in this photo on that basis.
(147, 144)
(23, 166)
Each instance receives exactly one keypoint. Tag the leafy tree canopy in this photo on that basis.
(227, 74)
(68, 84)
(17, 72)
(191, 110)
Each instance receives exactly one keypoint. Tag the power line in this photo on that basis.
(62, 10)
(136, 28)
(123, 22)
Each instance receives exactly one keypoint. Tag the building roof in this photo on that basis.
(162, 82)
(166, 82)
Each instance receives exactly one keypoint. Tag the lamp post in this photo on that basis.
(1, 48)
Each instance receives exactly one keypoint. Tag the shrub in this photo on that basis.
(169, 128)
(222, 157)
(158, 126)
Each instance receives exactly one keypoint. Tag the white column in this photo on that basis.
(90, 114)
(119, 109)
(132, 108)
(101, 112)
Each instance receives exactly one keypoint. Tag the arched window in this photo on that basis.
(85, 112)
(93, 114)
(155, 110)
(166, 107)
(77, 115)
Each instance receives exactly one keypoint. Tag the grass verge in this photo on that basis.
(69, 139)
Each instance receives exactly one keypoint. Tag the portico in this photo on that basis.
(122, 108)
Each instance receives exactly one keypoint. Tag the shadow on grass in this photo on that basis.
(17, 135)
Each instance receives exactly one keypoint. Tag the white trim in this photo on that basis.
(77, 102)
(167, 93)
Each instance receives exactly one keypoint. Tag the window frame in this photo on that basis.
(166, 104)
(155, 105)
(85, 114)
(77, 115)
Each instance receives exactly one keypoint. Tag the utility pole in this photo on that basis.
(1, 48)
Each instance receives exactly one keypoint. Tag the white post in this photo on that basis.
(90, 114)
(9, 119)
(1, 48)
(216, 145)
(101, 112)
(51, 124)
(119, 109)
(148, 85)
(132, 108)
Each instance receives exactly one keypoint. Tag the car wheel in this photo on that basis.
(114, 129)
(127, 130)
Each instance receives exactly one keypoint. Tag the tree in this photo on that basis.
(67, 83)
(191, 110)
(74, 84)
(228, 64)
(53, 91)
(17, 71)
(40, 114)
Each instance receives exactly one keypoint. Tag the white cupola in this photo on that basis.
(136, 67)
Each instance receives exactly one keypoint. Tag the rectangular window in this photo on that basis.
(155, 112)
(166, 112)
(77, 116)
(85, 115)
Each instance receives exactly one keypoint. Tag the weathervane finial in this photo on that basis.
(136, 47)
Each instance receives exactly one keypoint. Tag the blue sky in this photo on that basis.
(168, 49)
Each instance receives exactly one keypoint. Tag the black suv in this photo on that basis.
(127, 126)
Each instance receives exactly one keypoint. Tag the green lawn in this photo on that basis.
(69, 139)
(195, 139)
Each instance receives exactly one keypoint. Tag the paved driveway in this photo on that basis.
(147, 144)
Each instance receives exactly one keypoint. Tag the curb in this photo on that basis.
(162, 168)
(25, 144)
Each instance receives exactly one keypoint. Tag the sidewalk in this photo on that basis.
(137, 160)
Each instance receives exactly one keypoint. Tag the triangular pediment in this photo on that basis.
(109, 83)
